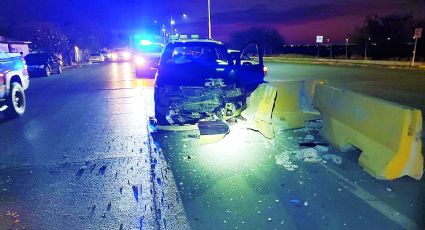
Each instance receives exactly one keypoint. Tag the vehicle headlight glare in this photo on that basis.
(140, 61)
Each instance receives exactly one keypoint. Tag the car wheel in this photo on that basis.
(47, 71)
(16, 101)
(59, 69)
(160, 118)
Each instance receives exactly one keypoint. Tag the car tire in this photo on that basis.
(16, 101)
(47, 72)
(160, 118)
(59, 69)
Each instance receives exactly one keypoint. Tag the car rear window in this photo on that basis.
(204, 54)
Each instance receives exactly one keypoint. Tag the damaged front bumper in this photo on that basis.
(188, 105)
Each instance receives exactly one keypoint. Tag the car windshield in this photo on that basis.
(196, 54)
(36, 59)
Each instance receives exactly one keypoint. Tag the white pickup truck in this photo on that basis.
(14, 81)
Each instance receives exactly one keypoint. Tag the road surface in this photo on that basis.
(83, 157)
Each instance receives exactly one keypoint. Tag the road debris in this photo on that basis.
(283, 160)
(308, 155)
(335, 159)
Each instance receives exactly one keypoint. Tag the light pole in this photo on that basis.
(172, 23)
(365, 49)
(209, 20)
(346, 49)
(163, 33)
(330, 47)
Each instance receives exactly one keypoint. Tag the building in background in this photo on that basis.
(14, 46)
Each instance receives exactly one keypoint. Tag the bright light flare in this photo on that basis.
(145, 43)
(114, 56)
(140, 61)
(126, 55)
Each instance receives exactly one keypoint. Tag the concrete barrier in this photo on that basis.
(388, 134)
(294, 103)
(260, 109)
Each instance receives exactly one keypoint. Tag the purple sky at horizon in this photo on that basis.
(298, 21)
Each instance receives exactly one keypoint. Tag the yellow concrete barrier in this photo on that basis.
(388, 134)
(294, 103)
(260, 108)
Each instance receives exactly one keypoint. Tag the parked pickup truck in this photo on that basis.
(14, 81)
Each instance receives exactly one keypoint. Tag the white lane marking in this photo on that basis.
(375, 203)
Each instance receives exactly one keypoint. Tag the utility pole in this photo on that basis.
(330, 48)
(365, 49)
(346, 49)
(209, 20)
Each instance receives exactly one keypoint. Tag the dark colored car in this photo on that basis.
(43, 64)
(13, 83)
(198, 79)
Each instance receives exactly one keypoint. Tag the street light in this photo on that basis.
(209, 20)
(172, 23)
(164, 30)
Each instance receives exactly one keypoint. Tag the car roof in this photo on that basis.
(195, 41)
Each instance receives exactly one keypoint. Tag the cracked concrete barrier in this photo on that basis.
(260, 108)
(294, 103)
(388, 134)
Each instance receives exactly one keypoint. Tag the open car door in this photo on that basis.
(250, 67)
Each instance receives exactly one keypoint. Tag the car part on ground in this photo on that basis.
(212, 131)
(388, 134)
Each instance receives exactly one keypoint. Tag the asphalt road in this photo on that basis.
(83, 157)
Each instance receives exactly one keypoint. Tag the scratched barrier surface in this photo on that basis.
(260, 109)
(294, 103)
(388, 134)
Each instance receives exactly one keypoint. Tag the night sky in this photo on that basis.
(298, 21)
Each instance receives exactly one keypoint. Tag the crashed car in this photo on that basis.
(198, 80)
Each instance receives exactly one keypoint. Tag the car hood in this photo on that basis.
(194, 75)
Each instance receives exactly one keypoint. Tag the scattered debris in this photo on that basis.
(136, 193)
(309, 137)
(296, 202)
(102, 170)
(81, 171)
(308, 155)
(335, 159)
(321, 148)
(312, 144)
(283, 160)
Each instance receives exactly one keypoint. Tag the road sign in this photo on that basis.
(319, 39)
(418, 33)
